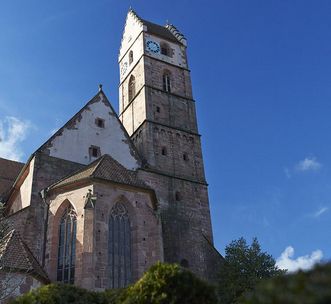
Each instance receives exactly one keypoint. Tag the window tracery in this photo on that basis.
(119, 245)
(67, 246)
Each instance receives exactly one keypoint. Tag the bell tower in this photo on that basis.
(158, 111)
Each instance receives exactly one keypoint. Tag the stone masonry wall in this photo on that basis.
(92, 270)
(185, 220)
(47, 170)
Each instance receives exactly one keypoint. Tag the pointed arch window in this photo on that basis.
(166, 81)
(132, 87)
(119, 247)
(67, 246)
(130, 57)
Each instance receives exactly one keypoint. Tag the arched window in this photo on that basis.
(130, 57)
(132, 87)
(165, 49)
(166, 82)
(119, 247)
(67, 246)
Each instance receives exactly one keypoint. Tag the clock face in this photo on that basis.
(124, 67)
(153, 46)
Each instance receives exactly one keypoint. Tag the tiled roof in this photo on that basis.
(9, 171)
(105, 168)
(159, 30)
(15, 256)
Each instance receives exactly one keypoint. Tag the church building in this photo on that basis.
(108, 195)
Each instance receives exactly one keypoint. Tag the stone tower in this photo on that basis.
(157, 109)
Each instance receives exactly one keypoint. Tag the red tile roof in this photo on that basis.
(9, 171)
(105, 168)
(16, 257)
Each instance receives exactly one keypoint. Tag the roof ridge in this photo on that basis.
(86, 167)
(100, 160)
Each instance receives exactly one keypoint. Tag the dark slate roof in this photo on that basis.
(15, 256)
(159, 30)
(105, 168)
(9, 171)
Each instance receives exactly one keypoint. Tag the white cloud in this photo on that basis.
(308, 164)
(12, 132)
(320, 211)
(286, 261)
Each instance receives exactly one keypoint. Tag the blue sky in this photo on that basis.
(261, 79)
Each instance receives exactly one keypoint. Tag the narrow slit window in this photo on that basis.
(132, 87)
(178, 196)
(130, 57)
(167, 82)
(164, 151)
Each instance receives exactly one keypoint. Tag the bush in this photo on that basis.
(161, 284)
(60, 294)
(300, 288)
(170, 284)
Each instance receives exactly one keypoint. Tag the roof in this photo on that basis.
(15, 256)
(106, 168)
(168, 31)
(9, 171)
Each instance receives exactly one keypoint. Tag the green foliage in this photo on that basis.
(161, 284)
(60, 294)
(170, 284)
(244, 266)
(312, 287)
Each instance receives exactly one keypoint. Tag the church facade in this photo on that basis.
(109, 195)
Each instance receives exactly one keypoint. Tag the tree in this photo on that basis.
(170, 284)
(299, 288)
(244, 266)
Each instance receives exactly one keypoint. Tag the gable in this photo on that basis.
(76, 140)
(133, 27)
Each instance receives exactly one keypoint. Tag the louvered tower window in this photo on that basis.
(119, 247)
(67, 246)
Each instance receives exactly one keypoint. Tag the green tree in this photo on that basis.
(243, 268)
(170, 284)
(310, 287)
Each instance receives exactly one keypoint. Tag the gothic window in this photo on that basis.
(165, 49)
(130, 57)
(166, 82)
(132, 87)
(67, 247)
(119, 247)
